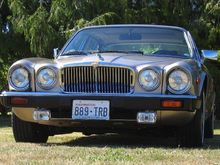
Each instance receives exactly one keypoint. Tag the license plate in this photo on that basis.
(90, 110)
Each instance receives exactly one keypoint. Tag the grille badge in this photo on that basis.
(95, 64)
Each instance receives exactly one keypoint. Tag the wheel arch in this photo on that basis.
(203, 84)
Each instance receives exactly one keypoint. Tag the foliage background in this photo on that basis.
(33, 28)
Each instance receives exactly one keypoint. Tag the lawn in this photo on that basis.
(76, 148)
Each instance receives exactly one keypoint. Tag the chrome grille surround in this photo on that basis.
(99, 79)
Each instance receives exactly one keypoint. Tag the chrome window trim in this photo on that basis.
(129, 26)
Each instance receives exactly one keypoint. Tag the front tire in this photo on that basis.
(209, 126)
(192, 135)
(28, 132)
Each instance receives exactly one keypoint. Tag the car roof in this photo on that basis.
(136, 25)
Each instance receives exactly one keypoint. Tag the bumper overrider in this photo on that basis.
(124, 108)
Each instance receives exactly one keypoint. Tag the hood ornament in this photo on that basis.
(96, 63)
(100, 57)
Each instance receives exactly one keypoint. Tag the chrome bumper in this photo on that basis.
(44, 94)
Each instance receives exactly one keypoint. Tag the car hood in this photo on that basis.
(132, 60)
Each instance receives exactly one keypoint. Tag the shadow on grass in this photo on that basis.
(117, 141)
(131, 141)
(5, 121)
(213, 143)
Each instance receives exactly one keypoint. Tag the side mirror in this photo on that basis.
(210, 54)
(55, 52)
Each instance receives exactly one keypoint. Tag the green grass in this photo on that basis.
(112, 149)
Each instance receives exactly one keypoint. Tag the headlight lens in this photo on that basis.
(46, 78)
(179, 81)
(149, 79)
(20, 79)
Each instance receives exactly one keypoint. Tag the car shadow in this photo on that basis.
(117, 141)
(123, 140)
(5, 121)
(213, 143)
(131, 141)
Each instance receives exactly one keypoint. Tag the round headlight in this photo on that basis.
(20, 79)
(179, 81)
(149, 79)
(46, 78)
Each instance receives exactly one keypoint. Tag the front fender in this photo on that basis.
(30, 65)
(202, 83)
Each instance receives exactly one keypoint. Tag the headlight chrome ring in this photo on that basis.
(46, 78)
(19, 78)
(149, 79)
(179, 81)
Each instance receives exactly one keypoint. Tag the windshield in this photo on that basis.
(148, 40)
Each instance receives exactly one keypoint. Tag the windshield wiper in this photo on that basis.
(117, 51)
(75, 52)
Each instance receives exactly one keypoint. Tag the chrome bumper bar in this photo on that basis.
(45, 94)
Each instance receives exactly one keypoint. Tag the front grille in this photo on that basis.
(101, 79)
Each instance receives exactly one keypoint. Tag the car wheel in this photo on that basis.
(192, 135)
(209, 126)
(28, 132)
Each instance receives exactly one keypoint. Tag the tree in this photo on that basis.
(212, 19)
(40, 34)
